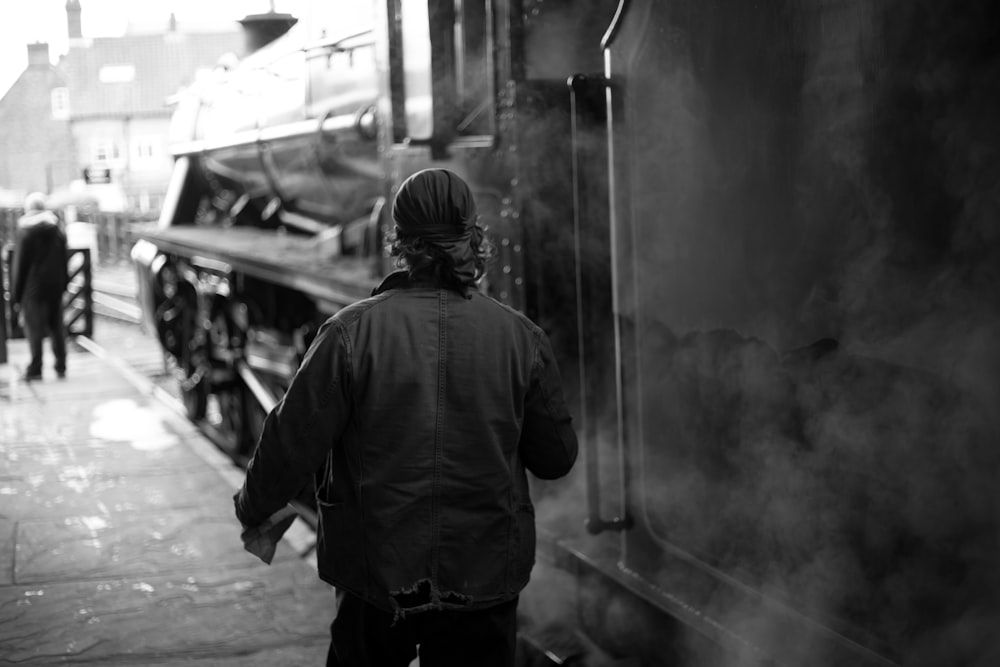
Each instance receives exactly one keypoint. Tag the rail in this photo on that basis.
(588, 115)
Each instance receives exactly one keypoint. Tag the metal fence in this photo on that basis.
(113, 233)
(77, 301)
(8, 224)
(107, 240)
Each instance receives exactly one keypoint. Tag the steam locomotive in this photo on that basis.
(761, 237)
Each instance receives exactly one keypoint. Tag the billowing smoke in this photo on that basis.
(809, 287)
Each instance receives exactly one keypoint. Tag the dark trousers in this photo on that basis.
(43, 316)
(364, 636)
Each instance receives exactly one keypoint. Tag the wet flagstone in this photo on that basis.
(96, 414)
(80, 489)
(213, 612)
(134, 544)
(118, 543)
(107, 456)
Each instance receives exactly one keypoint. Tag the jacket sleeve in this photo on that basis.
(22, 262)
(64, 263)
(301, 430)
(548, 443)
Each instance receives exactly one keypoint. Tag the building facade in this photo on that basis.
(37, 151)
(97, 123)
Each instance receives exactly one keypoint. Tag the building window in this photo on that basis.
(116, 74)
(106, 151)
(144, 152)
(60, 103)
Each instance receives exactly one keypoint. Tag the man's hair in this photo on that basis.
(34, 202)
(423, 259)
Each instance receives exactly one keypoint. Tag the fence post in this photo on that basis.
(3, 308)
(88, 295)
(78, 301)
(126, 240)
(8, 225)
(115, 250)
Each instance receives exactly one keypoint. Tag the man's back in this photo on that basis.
(448, 394)
(39, 257)
(417, 412)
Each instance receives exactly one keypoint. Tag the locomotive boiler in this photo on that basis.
(761, 238)
(271, 217)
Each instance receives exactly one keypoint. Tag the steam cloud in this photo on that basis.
(810, 313)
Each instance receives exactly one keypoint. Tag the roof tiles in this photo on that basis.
(140, 71)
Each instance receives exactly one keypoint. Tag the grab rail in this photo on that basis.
(586, 90)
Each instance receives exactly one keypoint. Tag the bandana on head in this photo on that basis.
(437, 206)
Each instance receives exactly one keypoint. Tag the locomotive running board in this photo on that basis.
(596, 560)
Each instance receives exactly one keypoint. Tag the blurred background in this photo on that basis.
(87, 90)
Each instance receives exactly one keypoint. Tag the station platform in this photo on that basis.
(118, 543)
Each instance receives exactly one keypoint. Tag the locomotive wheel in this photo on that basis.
(194, 392)
(242, 418)
(194, 384)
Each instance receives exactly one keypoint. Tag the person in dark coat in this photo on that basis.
(417, 412)
(39, 280)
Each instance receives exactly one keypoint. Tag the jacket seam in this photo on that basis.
(520, 317)
(349, 349)
(509, 574)
(546, 398)
(350, 314)
(438, 434)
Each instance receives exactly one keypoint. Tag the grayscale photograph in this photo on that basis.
(500, 333)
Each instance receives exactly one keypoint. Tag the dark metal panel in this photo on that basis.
(794, 188)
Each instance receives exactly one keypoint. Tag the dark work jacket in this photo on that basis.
(39, 270)
(420, 408)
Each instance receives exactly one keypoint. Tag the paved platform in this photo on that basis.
(118, 543)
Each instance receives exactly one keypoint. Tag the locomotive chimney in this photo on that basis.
(262, 29)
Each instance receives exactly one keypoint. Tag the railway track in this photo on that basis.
(116, 301)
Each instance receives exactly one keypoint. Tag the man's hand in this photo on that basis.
(262, 540)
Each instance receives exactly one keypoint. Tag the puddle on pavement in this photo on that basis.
(125, 420)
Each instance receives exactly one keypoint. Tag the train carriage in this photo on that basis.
(760, 238)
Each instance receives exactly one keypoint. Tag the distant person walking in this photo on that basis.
(417, 413)
(40, 279)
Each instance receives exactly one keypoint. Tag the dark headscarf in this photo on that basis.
(437, 206)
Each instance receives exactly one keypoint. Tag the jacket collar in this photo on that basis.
(37, 217)
(401, 279)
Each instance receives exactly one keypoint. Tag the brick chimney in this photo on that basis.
(38, 54)
(73, 21)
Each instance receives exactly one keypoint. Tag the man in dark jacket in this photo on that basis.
(418, 410)
(39, 282)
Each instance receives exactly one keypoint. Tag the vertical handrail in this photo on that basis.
(3, 307)
(579, 86)
(114, 237)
